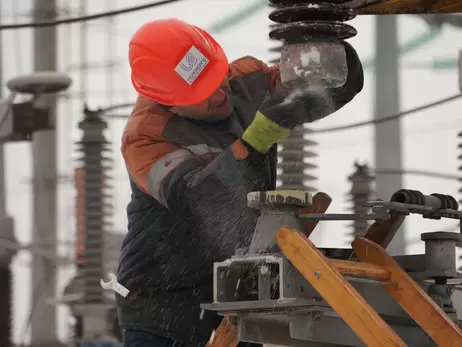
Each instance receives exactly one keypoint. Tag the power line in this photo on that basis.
(237, 17)
(389, 118)
(417, 173)
(38, 293)
(326, 130)
(47, 23)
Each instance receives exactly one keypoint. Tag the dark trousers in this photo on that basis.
(136, 338)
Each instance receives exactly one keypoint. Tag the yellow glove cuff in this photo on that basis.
(263, 133)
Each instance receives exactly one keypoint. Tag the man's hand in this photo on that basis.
(225, 335)
(302, 105)
(283, 111)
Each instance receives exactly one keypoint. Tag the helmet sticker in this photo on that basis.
(191, 65)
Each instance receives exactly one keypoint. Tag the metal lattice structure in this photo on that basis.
(92, 204)
(360, 193)
(295, 155)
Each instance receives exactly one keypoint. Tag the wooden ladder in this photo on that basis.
(325, 275)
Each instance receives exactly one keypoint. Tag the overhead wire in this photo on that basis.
(417, 131)
(55, 22)
(388, 118)
(325, 130)
(36, 296)
(416, 173)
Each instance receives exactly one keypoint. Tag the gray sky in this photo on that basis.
(429, 137)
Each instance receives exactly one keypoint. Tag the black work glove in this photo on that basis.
(283, 110)
(300, 107)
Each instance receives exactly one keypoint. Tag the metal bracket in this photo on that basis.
(380, 211)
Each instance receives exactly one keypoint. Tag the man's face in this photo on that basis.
(218, 106)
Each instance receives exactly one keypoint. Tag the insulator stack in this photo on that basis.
(305, 20)
(361, 192)
(93, 208)
(295, 159)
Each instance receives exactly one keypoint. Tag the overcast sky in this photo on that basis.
(429, 137)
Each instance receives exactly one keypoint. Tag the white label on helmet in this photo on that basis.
(192, 64)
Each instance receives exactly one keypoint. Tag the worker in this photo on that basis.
(201, 136)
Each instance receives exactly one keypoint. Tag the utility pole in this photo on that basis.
(44, 228)
(388, 152)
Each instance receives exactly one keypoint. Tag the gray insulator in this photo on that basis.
(96, 207)
(295, 155)
(360, 193)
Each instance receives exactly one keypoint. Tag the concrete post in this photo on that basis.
(388, 151)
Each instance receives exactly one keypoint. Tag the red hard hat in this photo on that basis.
(175, 63)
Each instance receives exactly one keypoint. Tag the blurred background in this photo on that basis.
(409, 62)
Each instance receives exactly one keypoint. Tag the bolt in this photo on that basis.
(317, 274)
(317, 316)
(264, 270)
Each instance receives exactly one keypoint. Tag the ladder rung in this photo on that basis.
(337, 291)
(346, 267)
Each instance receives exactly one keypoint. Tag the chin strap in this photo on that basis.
(165, 107)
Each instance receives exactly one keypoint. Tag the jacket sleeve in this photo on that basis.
(210, 195)
(179, 179)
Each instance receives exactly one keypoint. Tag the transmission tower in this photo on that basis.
(360, 193)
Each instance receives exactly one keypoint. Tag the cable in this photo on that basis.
(327, 130)
(388, 118)
(116, 107)
(237, 17)
(37, 294)
(416, 173)
(46, 23)
(37, 251)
